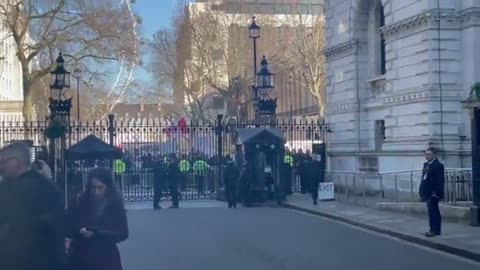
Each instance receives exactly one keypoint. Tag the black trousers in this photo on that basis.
(314, 190)
(200, 181)
(157, 195)
(157, 191)
(231, 196)
(434, 217)
(303, 184)
(174, 194)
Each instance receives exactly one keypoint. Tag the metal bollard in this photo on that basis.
(354, 187)
(454, 187)
(411, 186)
(346, 187)
(382, 194)
(364, 191)
(396, 188)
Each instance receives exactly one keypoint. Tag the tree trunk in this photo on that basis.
(321, 108)
(27, 101)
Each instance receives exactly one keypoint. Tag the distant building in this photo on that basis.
(293, 100)
(144, 111)
(11, 84)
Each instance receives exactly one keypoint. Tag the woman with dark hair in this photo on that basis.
(97, 222)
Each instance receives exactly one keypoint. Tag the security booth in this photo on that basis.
(473, 105)
(259, 154)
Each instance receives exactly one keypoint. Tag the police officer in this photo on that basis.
(200, 168)
(159, 176)
(231, 176)
(184, 166)
(173, 174)
(288, 163)
(314, 174)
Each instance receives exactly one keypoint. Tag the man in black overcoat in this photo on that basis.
(32, 223)
(231, 179)
(432, 190)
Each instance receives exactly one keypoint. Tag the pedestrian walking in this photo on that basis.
(31, 214)
(231, 177)
(432, 190)
(97, 222)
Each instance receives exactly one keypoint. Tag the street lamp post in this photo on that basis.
(60, 107)
(266, 106)
(77, 73)
(254, 34)
(290, 83)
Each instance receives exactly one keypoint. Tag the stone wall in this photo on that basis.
(430, 64)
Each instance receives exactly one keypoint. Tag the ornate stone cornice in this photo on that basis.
(449, 18)
(341, 48)
(341, 108)
(410, 97)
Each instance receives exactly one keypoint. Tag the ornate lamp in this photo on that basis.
(59, 105)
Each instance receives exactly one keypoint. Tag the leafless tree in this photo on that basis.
(166, 46)
(221, 46)
(89, 33)
(304, 54)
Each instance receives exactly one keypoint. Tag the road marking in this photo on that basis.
(432, 250)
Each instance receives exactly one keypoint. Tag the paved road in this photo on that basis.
(213, 237)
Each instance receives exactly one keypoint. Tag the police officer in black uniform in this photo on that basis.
(173, 174)
(159, 176)
(231, 176)
(314, 174)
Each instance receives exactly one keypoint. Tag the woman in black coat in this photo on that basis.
(97, 222)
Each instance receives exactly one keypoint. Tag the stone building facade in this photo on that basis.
(397, 71)
(11, 84)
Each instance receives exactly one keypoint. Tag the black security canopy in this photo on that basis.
(91, 147)
(259, 135)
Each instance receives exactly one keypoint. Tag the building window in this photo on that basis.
(383, 64)
(379, 134)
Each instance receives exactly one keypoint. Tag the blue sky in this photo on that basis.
(156, 14)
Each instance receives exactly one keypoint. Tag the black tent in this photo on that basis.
(91, 147)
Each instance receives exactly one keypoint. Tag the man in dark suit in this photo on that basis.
(432, 190)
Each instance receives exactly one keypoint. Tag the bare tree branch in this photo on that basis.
(87, 35)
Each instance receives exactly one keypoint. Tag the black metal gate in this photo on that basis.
(143, 140)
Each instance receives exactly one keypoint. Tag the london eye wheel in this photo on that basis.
(128, 60)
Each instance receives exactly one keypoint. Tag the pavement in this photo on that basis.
(457, 238)
(207, 235)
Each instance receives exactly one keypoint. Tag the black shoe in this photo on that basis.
(431, 234)
(157, 207)
(235, 206)
(173, 207)
(315, 202)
